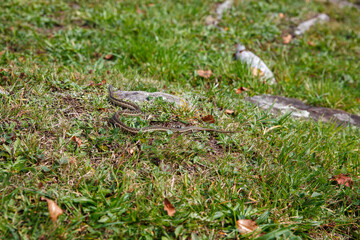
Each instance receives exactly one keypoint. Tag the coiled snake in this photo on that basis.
(134, 110)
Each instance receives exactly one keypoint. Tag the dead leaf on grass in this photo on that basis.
(310, 43)
(241, 89)
(281, 15)
(246, 226)
(342, 179)
(76, 140)
(108, 56)
(54, 210)
(103, 82)
(208, 119)
(92, 83)
(228, 111)
(169, 208)
(96, 54)
(287, 39)
(204, 73)
(2, 52)
(22, 59)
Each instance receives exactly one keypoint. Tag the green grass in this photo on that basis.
(277, 171)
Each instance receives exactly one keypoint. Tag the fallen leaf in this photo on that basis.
(54, 210)
(257, 72)
(342, 179)
(287, 39)
(96, 54)
(103, 82)
(22, 75)
(2, 52)
(281, 15)
(108, 56)
(310, 43)
(22, 59)
(151, 4)
(138, 11)
(241, 89)
(208, 119)
(103, 109)
(204, 73)
(92, 83)
(169, 207)
(76, 140)
(228, 111)
(246, 226)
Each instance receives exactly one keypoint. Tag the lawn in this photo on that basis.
(57, 59)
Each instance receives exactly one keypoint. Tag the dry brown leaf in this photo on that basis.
(108, 56)
(102, 82)
(76, 140)
(281, 15)
(343, 179)
(287, 39)
(169, 207)
(241, 89)
(151, 4)
(54, 210)
(310, 43)
(257, 72)
(204, 73)
(208, 119)
(92, 83)
(103, 109)
(246, 226)
(228, 111)
(22, 59)
(96, 54)
(2, 52)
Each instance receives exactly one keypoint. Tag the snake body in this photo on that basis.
(134, 110)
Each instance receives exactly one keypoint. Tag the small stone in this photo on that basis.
(298, 109)
(141, 96)
(254, 62)
(305, 26)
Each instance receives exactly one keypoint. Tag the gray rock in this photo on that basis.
(343, 4)
(221, 8)
(305, 26)
(141, 96)
(254, 61)
(298, 109)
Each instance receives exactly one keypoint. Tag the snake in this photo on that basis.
(133, 109)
